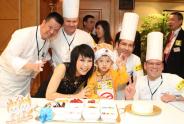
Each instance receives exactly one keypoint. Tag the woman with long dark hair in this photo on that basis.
(103, 33)
(69, 80)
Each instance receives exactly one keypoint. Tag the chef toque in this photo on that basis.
(129, 26)
(102, 52)
(70, 8)
(154, 46)
(104, 49)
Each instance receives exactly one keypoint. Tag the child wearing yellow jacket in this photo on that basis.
(105, 80)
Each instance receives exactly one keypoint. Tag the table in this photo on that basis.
(168, 115)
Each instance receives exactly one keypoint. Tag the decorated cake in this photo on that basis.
(91, 111)
(108, 110)
(79, 110)
(143, 107)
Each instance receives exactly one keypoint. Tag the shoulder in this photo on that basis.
(182, 30)
(135, 57)
(83, 33)
(181, 33)
(169, 76)
(25, 31)
(141, 80)
(60, 67)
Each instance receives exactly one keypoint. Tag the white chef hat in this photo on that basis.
(102, 52)
(154, 46)
(129, 26)
(70, 8)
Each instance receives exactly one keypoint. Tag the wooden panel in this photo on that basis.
(97, 13)
(29, 13)
(44, 9)
(9, 20)
(101, 9)
(8, 26)
(16, 14)
(172, 1)
(9, 9)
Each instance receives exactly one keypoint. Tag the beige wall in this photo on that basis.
(146, 8)
(16, 14)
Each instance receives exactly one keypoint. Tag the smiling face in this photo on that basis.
(49, 28)
(104, 64)
(100, 32)
(83, 65)
(125, 47)
(70, 25)
(153, 68)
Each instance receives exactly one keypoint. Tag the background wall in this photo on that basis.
(146, 8)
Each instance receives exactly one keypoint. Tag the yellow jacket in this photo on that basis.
(118, 77)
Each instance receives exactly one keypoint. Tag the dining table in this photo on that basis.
(168, 114)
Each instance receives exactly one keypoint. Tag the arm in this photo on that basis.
(182, 60)
(91, 87)
(137, 69)
(166, 97)
(19, 52)
(121, 76)
(130, 91)
(58, 75)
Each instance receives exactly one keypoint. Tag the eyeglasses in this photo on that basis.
(154, 63)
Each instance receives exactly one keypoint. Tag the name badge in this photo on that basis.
(178, 42)
(177, 49)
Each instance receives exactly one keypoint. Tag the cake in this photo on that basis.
(142, 107)
(91, 111)
(108, 110)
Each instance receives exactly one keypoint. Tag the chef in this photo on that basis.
(156, 85)
(126, 46)
(25, 55)
(69, 36)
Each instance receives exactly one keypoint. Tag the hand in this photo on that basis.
(121, 60)
(166, 97)
(35, 67)
(81, 94)
(40, 65)
(130, 91)
(88, 92)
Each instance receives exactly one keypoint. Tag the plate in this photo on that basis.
(156, 111)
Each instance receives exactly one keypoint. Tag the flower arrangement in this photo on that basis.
(153, 22)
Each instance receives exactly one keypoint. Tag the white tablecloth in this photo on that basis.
(168, 115)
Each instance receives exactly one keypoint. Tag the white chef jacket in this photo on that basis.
(133, 68)
(60, 46)
(22, 49)
(133, 65)
(169, 84)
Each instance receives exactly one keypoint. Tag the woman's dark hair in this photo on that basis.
(106, 28)
(85, 51)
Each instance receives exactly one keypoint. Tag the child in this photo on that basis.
(104, 81)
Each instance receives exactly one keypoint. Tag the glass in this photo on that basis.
(154, 63)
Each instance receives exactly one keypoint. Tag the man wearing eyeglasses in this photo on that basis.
(174, 49)
(156, 85)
